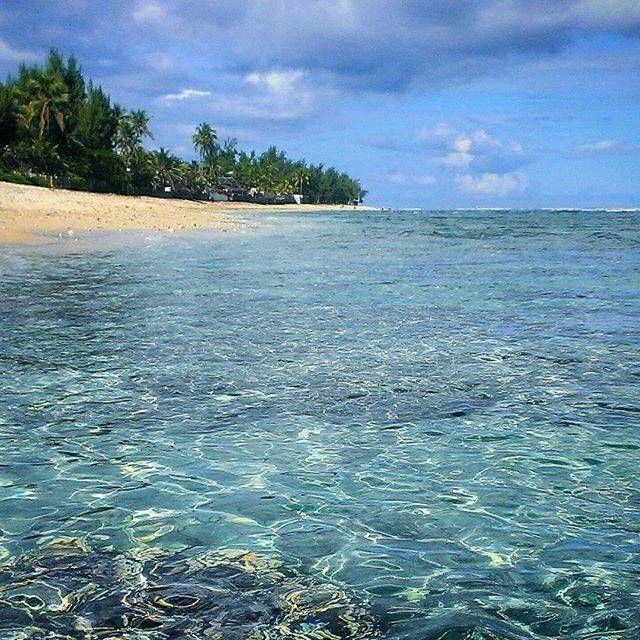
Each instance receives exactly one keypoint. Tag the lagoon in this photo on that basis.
(435, 411)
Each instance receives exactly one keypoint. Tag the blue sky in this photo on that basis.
(432, 103)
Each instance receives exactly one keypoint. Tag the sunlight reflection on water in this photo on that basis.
(436, 411)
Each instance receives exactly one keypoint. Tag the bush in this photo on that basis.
(104, 171)
(12, 176)
(16, 177)
(38, 181)
(73, 182)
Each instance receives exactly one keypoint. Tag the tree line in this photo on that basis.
(59, 129)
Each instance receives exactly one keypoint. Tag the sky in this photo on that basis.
(431, 103)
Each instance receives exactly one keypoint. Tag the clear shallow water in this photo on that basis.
(438, 412)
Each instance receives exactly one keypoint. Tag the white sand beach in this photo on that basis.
(37, 214)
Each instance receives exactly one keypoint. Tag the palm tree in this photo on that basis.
(205, 141)
(132, 128)
(140, 124)
(301, 178)
(285, 187)
(44, 97)
(228, 155)
(167, 168)
(209, 172)
(126, 139)
(247, 170)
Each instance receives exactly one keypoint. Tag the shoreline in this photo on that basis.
(30, 214)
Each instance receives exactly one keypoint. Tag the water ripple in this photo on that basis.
(436, 413)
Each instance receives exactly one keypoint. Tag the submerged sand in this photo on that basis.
(36, 214)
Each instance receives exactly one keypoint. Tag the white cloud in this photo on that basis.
(356, 43)
(353, 45)
(482, 138)
(604, 147)
(150, 13)
(498, 184)
(477, 151)
(457, 159)
(276, 81)
(476, 161)
(273, 95)
(462, 144)
(185, 94)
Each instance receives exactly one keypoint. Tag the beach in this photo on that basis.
(35, 214)
(417, 420)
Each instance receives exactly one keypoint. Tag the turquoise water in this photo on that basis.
(437, 412)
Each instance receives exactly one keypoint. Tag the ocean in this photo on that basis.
(415, 424)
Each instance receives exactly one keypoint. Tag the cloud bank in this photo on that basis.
(335, 80)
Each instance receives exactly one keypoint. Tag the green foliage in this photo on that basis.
(44, 103)
(37, 156)
(272, 173)
(58, 129)
(205, 141)
(74, 182)
(8, 116)
(17, 178)
(54, 124)
(103, 171)
(131, 129)
(167, 169)
(140, 173)
(97, 120)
